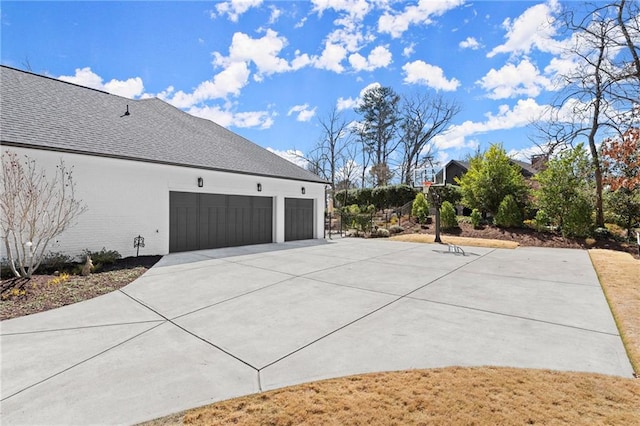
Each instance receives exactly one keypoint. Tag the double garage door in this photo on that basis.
(205, 221)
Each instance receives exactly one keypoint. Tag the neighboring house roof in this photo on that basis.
(45, 113)
(527, 169)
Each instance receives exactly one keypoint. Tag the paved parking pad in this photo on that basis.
(206, 326)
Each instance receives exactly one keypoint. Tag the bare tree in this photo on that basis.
(601, 87)
(330, 151)
(35, 209)
(364, 151)
(422, 118)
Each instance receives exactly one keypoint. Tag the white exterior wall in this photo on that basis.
(129, 198)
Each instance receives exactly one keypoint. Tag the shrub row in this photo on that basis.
(381, 197)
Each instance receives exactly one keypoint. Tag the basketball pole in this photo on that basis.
(435, 196)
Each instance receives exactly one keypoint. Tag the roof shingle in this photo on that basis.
(45, 113)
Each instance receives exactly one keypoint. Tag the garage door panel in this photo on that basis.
(213, 221)
(204, 221)
(183, 222)
(262, 219)
(298, 219)
(239, 220)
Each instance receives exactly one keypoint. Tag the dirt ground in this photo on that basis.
(47, 291)
(526, 237)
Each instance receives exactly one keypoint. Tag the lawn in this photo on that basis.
(455, 395)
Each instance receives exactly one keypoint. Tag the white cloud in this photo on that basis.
(331, 58)
(261, 119)
(300, 61)
(469, 43)
(234, 8)
(379, 57)
(521, 115)
(350, 103)
(228, 82)
(263, 52)
(130, 88)
(275, 15)
(244, 50)
(349, 37)
(303, 111)
(293, 155)
(397, 24)
(525, 154)
(227, 118)
(409, 50)
(514, 80)
(213, 113)
(419, 72)
(346, 103)
(534, 28)
(355, 8)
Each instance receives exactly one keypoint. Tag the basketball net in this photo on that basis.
(427, 184)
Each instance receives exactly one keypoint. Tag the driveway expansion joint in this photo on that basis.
(81, 327)
(343, 332)
(81, 362)
(342, 327)
(170, 321)
(504, 314)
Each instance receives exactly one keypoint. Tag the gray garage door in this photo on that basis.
(298, 219)
(204, 221)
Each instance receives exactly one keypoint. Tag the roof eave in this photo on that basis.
(151, 161)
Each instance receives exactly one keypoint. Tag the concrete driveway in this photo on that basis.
(206, 326)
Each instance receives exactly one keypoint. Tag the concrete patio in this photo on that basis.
(211, 325)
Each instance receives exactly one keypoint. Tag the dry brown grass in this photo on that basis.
(619, 274)
(459, 241)
(482, 395)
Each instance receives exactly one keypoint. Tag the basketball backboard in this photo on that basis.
(432, 175)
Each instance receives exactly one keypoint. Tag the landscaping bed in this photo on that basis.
(526, 237)
(47, 291)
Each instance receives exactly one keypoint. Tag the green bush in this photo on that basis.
(420, 208)
(56, 261)
(102, 257)
(396, 229)
(450, 193)
(362, 197)
(509, 214)
(381, 233)
(464, 219)
(357, 217)
(476, 218)
(602, 233)
(542, 220)
(399, 195)
(448, 217)
(379, 197)
(579, 221)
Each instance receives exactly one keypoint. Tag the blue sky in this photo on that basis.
(269, 70)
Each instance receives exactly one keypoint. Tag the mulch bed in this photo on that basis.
(49, 289)
(527, 237)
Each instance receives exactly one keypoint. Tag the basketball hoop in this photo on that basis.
(427, 184)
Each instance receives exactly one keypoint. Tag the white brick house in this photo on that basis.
(181, 182)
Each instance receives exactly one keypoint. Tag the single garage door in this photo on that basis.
(298, 219)
(204, 221)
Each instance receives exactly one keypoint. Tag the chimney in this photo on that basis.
(539, 161)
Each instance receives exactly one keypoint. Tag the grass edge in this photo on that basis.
(635, 363)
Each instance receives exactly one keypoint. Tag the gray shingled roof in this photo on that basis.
(527, 169)
(45, 113)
